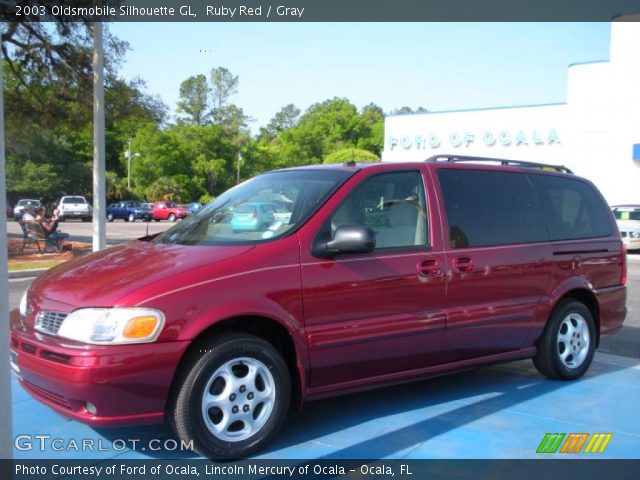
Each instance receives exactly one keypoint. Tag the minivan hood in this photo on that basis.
(128, 274)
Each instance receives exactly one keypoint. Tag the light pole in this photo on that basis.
(128, 155)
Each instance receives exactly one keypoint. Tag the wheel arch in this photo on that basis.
(263, 327)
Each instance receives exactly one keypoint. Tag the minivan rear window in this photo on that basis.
(571, 208)
(490, 208)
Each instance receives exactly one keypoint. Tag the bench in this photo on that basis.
(32, 232)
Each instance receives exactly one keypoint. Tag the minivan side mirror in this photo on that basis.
(346, 239)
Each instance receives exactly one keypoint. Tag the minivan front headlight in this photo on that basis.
(634, 234)
(112, 326)
(23, 303)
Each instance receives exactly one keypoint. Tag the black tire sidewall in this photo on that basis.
(558, 316)
(252, 347)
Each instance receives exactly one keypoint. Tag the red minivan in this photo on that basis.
(370, 275)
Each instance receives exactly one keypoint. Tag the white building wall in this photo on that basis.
(593, 133)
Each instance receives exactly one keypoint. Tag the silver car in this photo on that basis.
(628, 220)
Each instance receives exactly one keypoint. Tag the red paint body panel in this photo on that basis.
(355, 321)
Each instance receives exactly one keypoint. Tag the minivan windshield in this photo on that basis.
(263, 208)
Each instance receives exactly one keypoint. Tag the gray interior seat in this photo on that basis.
(403, 218)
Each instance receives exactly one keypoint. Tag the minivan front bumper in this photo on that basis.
(123, 385)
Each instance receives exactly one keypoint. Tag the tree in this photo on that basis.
(224, 85)
(408, 110)
(285, 119)
(194, 99)
(345, 155)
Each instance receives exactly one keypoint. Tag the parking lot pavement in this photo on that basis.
(497, 412)
(118, 231)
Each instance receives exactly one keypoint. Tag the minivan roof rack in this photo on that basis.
(501, 161)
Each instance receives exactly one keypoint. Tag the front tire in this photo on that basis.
(132, 217)
(233, 397)
(566, 348)
(172, 218)
(110, 217)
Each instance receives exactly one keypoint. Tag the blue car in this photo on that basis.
(129, 211)
(251, 217)
(194, 207)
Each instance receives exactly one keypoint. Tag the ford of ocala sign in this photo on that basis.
(464, 139)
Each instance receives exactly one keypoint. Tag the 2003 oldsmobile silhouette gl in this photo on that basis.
(364, 275)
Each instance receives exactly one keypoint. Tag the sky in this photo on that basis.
(438, 66)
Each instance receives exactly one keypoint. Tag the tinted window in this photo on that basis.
(572, 209)
(73, 200)
(490, 208)
(392, 204)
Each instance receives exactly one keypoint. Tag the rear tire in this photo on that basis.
(566, 348)
(132, 217)
(110, 217)
(232, 398)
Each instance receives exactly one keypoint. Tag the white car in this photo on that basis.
(628, 220)
(22, 204)
(74, 206)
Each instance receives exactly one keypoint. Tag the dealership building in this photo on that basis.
(596, 133)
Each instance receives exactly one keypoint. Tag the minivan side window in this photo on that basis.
(392, 204)
(490, 208)
(571, 208)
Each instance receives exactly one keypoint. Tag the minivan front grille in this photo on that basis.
(49, 322)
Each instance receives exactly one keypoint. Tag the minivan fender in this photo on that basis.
(248, 316)
(575, 287)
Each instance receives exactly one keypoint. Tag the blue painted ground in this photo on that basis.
(497, 412)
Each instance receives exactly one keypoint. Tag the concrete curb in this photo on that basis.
(27, 273)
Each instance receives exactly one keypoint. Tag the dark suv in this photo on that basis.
(379, 274)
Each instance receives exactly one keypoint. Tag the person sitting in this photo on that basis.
(28, 215)
(53, 237)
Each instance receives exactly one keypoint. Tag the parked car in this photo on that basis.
(129, 211)
(193, 207)
(74, 206)
(22, 204)
(168, 211)
(252, 216)
(385, 273)
(628, 220)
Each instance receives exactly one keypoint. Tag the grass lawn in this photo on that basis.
(22, 265)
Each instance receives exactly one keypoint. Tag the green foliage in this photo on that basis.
(325, 128)
(351, 155)
(224, 86)
(197, 158)
(408, 110)
(194, 101)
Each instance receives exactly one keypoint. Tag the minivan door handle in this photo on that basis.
(463, 264)
(429, 268)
